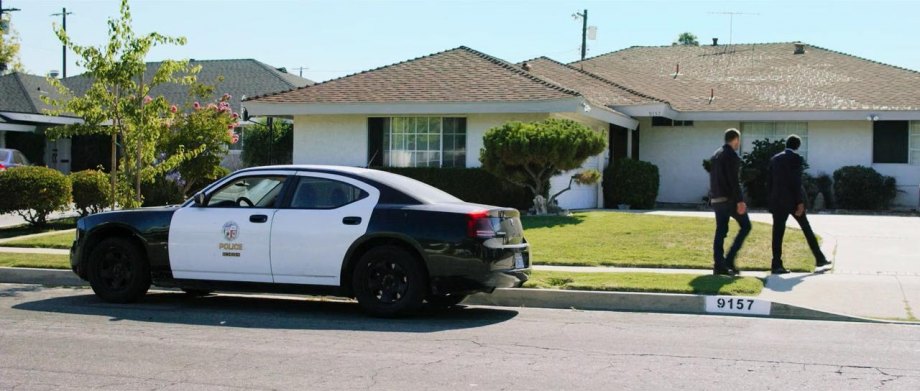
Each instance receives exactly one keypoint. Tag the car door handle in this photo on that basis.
(258, 218)
(351, 220)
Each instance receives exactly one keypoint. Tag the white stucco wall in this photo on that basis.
(342, 140)
(679, 151)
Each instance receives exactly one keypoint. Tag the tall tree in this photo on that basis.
(528, 154)
(687, 39)
(9, 50)
(118, 103)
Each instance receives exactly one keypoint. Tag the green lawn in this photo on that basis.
(26, 229)
(640, 240)
(647, 282)
(58, 240)
(49, 261)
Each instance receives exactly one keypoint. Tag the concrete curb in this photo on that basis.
(53, 277)
(641, 302)
(520, 297)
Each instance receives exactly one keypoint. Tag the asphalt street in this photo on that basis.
(56, 338)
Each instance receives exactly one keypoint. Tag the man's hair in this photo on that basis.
(793, 142)
(731, 134)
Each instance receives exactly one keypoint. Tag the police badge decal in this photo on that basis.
(231, 232)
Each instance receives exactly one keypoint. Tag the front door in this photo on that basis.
(227, 239)
(310, 236)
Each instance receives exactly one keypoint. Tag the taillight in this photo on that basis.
(2, 167)
(478, 225)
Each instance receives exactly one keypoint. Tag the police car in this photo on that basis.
(389, 241)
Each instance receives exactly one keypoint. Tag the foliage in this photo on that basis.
(256, 146)
(528, 154)
(810, 183)
(118, 103)
(631, 182)
(208, 130)
(9, 51)
(687, 39)
(859, 187)
(91, 192)
(469, 184)
(162, 191)
(755, 170)
(34, 192)
(826, 186)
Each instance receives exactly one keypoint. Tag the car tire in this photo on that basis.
(118, 271)
(444, 301)
(196, 292)
(388, 281)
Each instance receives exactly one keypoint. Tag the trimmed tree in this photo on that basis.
(528, 154)
(34, 192)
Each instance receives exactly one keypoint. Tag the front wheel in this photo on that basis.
(389, 281)
(118, 271)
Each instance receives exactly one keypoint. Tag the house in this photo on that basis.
(237, 77)
(668, 105)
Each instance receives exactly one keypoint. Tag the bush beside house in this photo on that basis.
(860, 187)
(91, 191)
(631, 182)
(34, 192)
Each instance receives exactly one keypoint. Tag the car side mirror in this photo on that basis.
(200, 199)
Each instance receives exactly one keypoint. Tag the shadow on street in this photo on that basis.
(266, 313)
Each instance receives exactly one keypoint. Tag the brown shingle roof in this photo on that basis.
(593, 87)
(759, 77)
(456, 75)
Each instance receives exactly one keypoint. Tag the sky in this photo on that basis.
(335, 38)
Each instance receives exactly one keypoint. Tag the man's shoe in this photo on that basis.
(725, 272)
(823, 263)
(780, 270)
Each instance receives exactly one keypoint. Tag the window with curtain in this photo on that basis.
(915, 142)
(424, 142)
(751, 131)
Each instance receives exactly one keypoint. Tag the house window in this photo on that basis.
(751, 131)
(667, 122)
(890, 142)
(418, 141)
(915, 142)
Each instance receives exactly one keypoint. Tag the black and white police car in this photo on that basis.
(389, 241)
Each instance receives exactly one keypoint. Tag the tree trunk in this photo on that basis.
(112, 171)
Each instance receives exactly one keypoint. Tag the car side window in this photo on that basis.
(19, 158)
(248, 192)
(322, 193)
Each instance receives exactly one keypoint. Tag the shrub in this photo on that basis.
(859, 187)
(631, 182)
(91, 191)
(754, 170)
(257, 144)
(162, 191)
(469, 184)
(34, 192)
(826, 186)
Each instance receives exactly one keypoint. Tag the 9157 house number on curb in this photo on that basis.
(737, 305)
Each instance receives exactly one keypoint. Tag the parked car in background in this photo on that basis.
(12, 158)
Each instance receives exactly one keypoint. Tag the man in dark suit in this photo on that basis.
(727, 202)
(787, 196)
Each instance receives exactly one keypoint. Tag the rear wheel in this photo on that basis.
(389, 281)
(118, 271)
(444, 301)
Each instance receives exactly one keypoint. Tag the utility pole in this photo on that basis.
(63, 14)
(584, 31)
(300, 69)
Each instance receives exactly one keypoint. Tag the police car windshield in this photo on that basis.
(416, 189)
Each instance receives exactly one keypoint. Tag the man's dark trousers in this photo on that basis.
(779, 230)
(724, 212)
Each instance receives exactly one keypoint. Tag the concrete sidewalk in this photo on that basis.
(876, 270)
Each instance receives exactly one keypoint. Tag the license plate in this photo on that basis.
(737, 305)
(518, 261)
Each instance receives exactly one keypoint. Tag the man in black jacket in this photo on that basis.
(787, 196)
(727, 202)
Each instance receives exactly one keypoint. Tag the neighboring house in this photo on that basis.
(667, 105)
(240, 78)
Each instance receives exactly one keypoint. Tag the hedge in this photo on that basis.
(631, 182)
(91, 191)
(859, 187)
(469, 184)
(34, 192)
